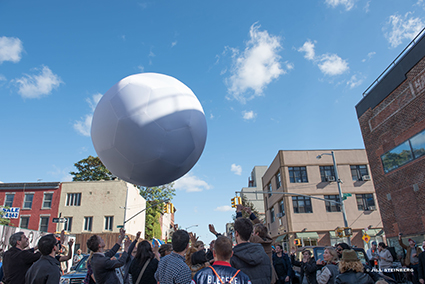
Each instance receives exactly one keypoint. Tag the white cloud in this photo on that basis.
(191, 183)
(224, 208)
(236, 169)
(255, 67)
(308, 48)
(354, 81)
(83, 125)
(10, 49)
(332, 64)
(401, 28)
(141, 68)
(174, 43)
(349, 4)
(37, 86)
(247, 115)
(369, 55)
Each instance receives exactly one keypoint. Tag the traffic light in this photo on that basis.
(172, 209)
(233, 202)
(297, 242)
(339, 232)
(239, 200)
(166, 208)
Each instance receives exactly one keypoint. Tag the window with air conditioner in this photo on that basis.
(365, 202)
(359, 173)
(327, 173)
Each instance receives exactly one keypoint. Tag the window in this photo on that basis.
(330, 206)
(269, 188)
(47, 201)
(404, 153)
(109, 223)
(365, 202)
(88, 221)
(68, 224)
(73, 199)
(327, 173)
(278, 181)
(357, 172)
(24, 222)
(282, 208)
(44, 224)
(297, 174)
(418, 144)
(8, 200)
(28, 201)
(302, 204)
(272, 216)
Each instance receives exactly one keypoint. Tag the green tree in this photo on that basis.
(3, 221)
(154, 196)
(91, 168)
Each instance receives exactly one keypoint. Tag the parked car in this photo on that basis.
(78, 272)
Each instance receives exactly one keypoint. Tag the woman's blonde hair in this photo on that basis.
(332, 252)
(356, 266)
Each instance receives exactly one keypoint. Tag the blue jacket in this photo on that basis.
(224, 270)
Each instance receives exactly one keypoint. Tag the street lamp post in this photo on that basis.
(191, 227)
(338, 181)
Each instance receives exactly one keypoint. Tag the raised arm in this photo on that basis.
(69, 255)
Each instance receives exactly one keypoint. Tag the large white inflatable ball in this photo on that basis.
(149, 129)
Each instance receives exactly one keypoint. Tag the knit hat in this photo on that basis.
(410, 240)
(374, 243)
(349, 255)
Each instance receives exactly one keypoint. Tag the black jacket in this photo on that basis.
(308, 268)
(16, 263)
(421, 267)
(148, 276)
(104, 267)
(251, 259)
(351, 277)
(44, 271)
(282, 266)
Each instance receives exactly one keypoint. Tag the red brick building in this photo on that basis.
(38, 204)
(392, 121)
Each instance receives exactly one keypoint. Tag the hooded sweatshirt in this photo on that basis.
(251, 259)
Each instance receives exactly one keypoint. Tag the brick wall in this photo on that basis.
(397, 118)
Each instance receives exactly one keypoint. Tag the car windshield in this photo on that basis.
(82, 265)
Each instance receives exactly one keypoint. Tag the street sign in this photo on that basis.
(120, 226)
(366, 238)
(11, 213)
(59, 220)
(345, 195)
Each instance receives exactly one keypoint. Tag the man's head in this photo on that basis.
(95, 243)
(47, 244)
(18, 240)
(412, 243)
(374, 245)
(423, 245)
(223, 249)
(180, 240)
(243, 228)
(279, 248)
(260, 230)
(341, 247)
(78, 251)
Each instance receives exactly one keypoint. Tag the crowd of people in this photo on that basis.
(255, 259)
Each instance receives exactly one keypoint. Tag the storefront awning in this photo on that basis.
(374, 232)
(280, 238)
(308, 235)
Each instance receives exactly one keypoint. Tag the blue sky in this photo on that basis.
(274, 75)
